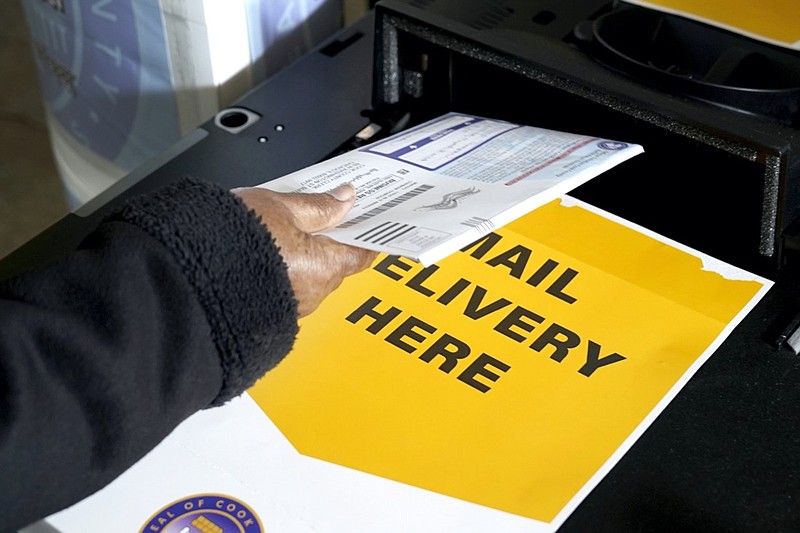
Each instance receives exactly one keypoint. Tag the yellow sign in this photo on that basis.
(773, 21)
(508, 374)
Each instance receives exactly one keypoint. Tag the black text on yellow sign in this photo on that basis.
(478, 368)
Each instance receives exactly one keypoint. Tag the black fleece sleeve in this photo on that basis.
(177, 302)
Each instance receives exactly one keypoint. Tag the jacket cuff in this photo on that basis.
(236, 269)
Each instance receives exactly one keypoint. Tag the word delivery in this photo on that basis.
(480, 369)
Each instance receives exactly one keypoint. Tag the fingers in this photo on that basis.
(347, 259)
(320, 211)
(316, 264)
(321, 267)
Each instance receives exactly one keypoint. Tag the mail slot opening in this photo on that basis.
(716, 193)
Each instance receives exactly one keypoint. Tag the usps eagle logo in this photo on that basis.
(449, 200)
(204, 513)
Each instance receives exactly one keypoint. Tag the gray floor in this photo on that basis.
(31, 195)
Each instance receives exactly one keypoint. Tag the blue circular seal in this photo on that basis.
(612, 145)
(88, 56)
(104, 74)
(206, 513)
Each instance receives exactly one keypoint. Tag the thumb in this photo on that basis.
(319, 211)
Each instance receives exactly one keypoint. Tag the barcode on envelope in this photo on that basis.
(385, 232)
(385, 207)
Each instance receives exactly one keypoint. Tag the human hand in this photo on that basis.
(317, 264)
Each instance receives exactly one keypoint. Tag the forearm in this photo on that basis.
(177, 303)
